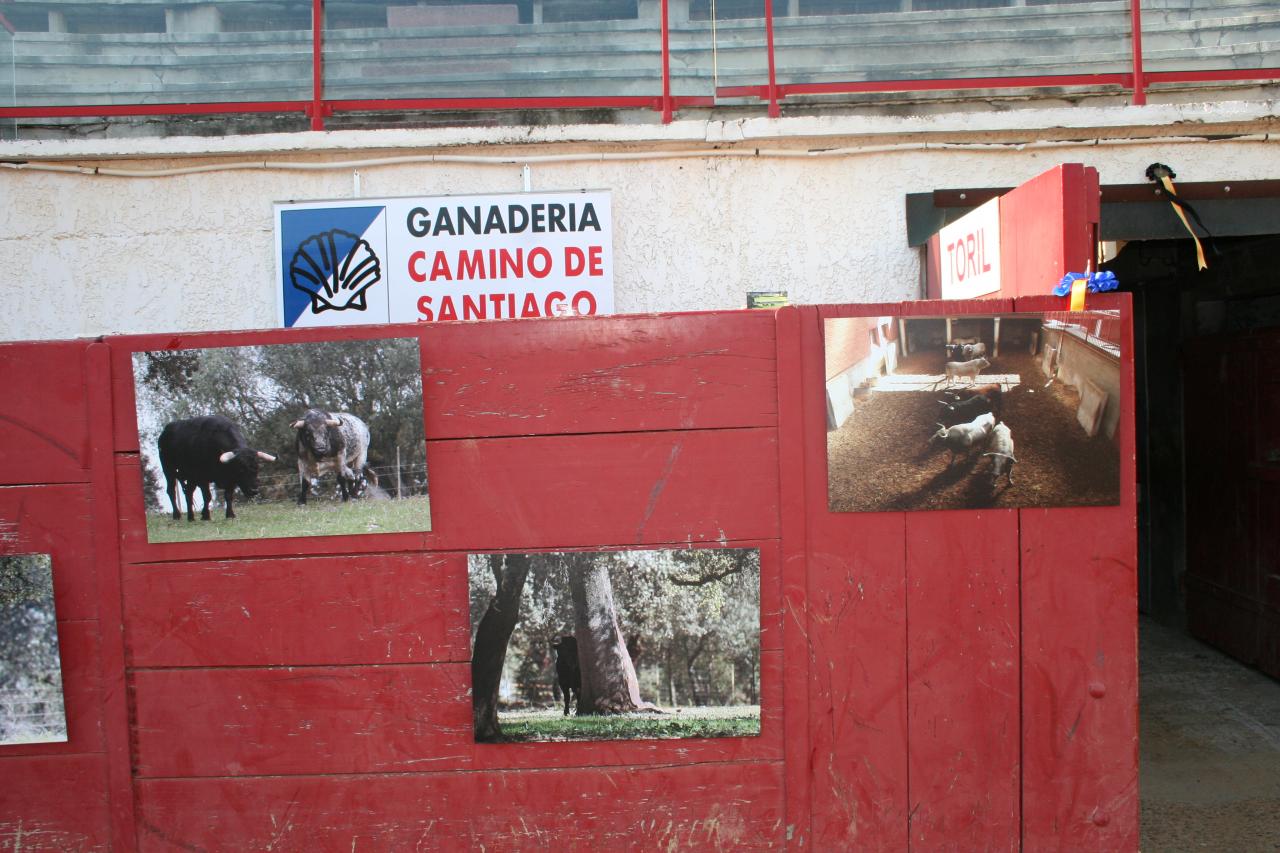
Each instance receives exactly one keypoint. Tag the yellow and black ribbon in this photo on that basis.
(1163, 175)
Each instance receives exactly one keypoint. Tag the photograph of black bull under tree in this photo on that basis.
(973, 411)
(309, 439)
(615, 644)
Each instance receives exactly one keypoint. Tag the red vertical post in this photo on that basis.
(853, 621)
(106, 539)
(317, 64)
(667, 111)
(1139, 82)
(774, 109)
(1079, 649)
(793, 512)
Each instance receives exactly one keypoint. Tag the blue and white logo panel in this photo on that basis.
(333, 264)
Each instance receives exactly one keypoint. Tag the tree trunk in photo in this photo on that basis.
(609, 684)
(689, 660)
(670, 671)
(492, 636)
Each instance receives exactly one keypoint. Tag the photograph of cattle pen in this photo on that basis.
(615, 644)
(973, 411)
(31, 704)
(309, 439)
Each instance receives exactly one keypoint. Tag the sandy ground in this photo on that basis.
(1210, 748)
(881, 459)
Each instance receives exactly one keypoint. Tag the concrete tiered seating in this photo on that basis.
(481, 50)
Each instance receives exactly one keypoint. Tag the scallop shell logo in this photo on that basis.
(335, 279)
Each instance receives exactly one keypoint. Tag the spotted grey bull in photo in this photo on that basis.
(332, 441)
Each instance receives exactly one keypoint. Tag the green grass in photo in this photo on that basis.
(552, 725)
(286, 518)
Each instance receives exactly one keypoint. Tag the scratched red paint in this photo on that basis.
(918, 678)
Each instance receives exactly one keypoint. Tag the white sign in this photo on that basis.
(969, 250)
(481, 257)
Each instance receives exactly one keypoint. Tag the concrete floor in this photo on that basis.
(1210, 748)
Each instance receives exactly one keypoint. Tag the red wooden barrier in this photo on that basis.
(1080, 660)
(934, 680)
(48, 443)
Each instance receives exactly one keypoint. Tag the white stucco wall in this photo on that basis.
(90, 254)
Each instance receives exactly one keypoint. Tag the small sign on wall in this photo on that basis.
(970, 253)
(767, 299)
(482, 257)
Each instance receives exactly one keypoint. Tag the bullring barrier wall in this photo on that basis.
(957, 679)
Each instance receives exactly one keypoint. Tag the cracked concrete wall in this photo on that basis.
(90, 254)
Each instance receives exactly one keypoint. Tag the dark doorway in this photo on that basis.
(1207, 347)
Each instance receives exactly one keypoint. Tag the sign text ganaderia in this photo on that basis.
(481, 257)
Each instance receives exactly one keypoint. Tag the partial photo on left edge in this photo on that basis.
(31, 704)
(282, 440)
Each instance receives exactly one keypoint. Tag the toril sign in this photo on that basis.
(970, 253)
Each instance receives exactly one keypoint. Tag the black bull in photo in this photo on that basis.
(337, 442)
(198, 451)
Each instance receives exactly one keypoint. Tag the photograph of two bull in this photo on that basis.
(309, 439)
(973, 411)
(593, 645)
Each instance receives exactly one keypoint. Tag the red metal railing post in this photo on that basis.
(317, 64)
(668, 110)
(774, 109)
(1139, 82)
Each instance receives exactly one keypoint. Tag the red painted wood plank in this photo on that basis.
(55, 520)
(44, 425)
(1048, 226)
(859, 630)
(368, 609)
(106, 536)
(1080, 685)
(711, 806)
(858, 697)
(223, 722)
(549, 377)
(794, 574)
(602, 374)
(372, 719)
(79, 651)
(963, 679)
(1079, 641)
(376, 608)
(79, 647)
(772, 607)
(856, 637)
(547, 492)
(54, 803)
